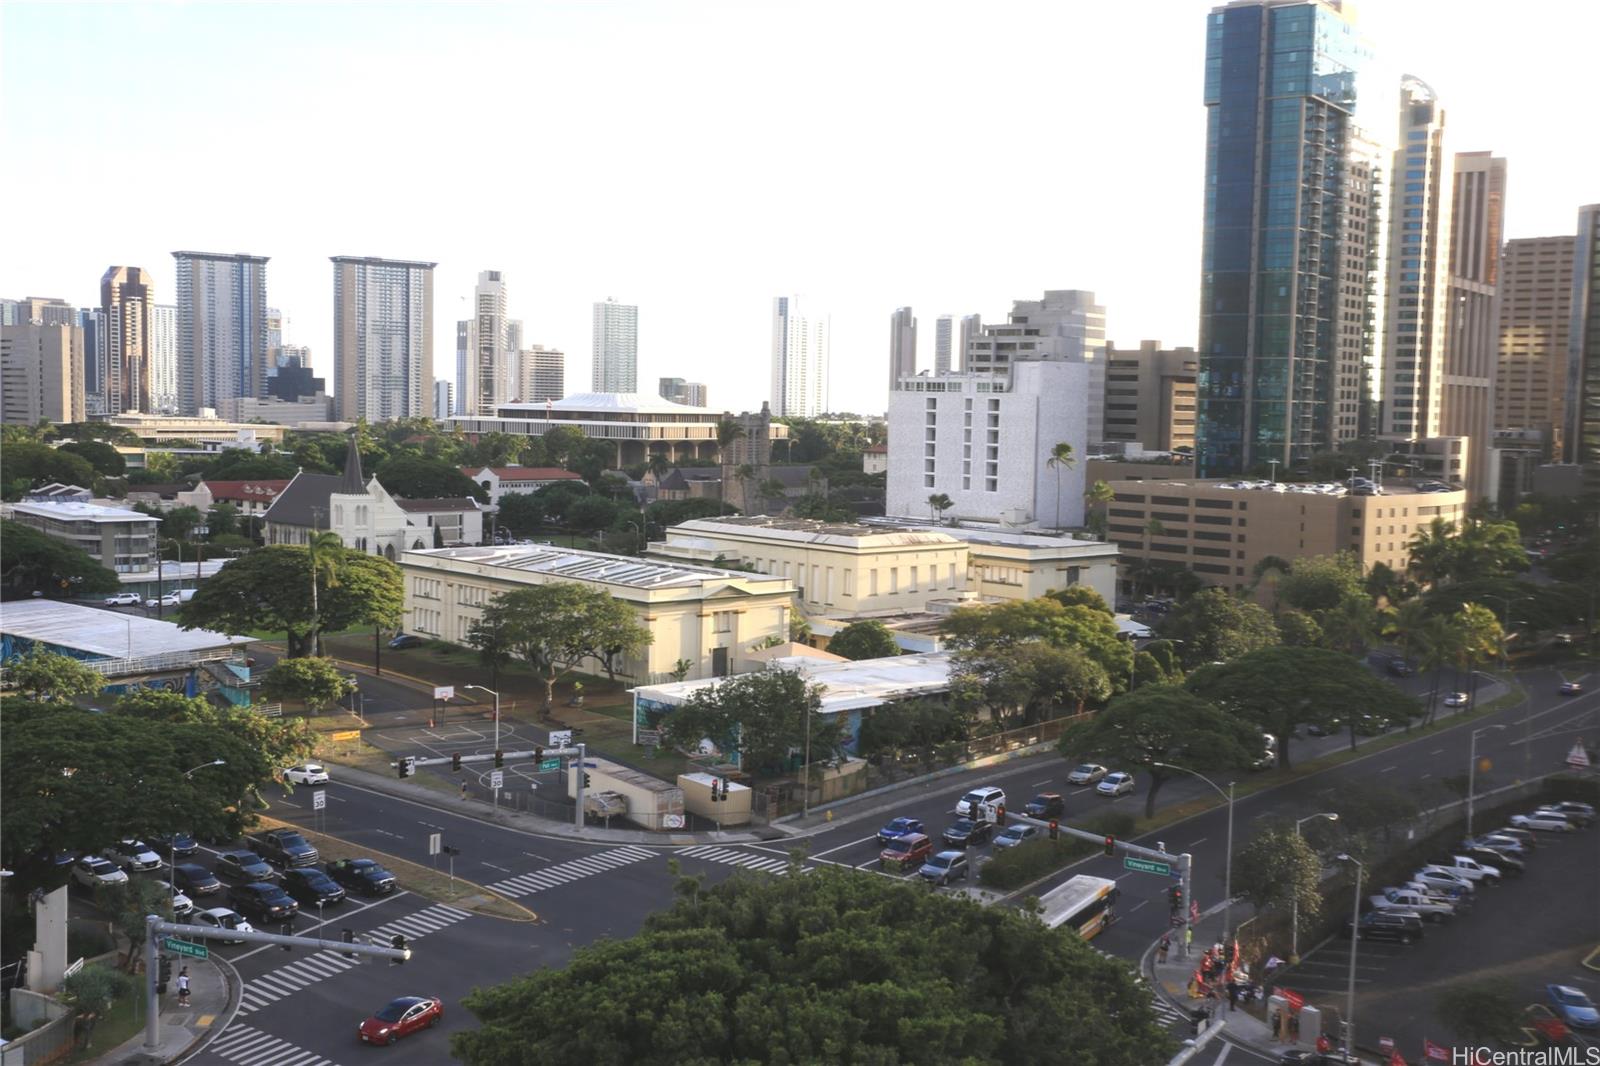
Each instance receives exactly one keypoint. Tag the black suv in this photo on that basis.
(312, 887)
(1046, 805)
(192, 879)
(181, 845)
(1388, 925)
(362, 875)
(262, 901)
(965, 833)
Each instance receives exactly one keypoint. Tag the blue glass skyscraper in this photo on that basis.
(1290, 241)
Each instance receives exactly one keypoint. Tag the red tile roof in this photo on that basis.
(525, 473)
(246, 490)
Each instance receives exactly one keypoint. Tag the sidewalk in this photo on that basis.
(214, 991)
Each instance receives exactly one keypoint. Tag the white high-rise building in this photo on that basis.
(942, 335)
(443, 400)
(616, 347)
(1066, 325)
(971, 329)
(799, 360)
(222, 329)
(986, 443)
(382, 338)
(164, 396)
(902, 345)
(541, 374)
(484, 371)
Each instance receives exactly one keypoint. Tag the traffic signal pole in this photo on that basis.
(583, 764)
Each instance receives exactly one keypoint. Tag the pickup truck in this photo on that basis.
(284, 847)
(1430, 907)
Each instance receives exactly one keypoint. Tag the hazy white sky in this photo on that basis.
(698, 159)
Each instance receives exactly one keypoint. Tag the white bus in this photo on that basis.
(1085, 904)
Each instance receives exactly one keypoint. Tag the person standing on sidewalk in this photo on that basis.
(183, 987)
(463, 788)
(1165, 945)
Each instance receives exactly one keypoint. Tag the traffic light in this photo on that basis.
(407, 765)
(1175, 898)
(164, 973)
(499, 758)
(455, 762)
(1000, 816)
(349, 937)
(397, 942)
(1111, 845)
(538, 753)
(1055, 831)
(714, 796)
(586, 779)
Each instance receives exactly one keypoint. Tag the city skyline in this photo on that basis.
(837, 232)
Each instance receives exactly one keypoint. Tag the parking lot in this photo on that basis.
(1542, 928)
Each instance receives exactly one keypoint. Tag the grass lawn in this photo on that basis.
(125, 1019)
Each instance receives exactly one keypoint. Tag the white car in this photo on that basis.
(1117, 784)
(1436, 876)
(1457, 699)
(1544, 821)
(309, 773)
(1013, 835)
(1404, 899)
(182, 906)
(123, 599)
(171, 599)
(985, 798)
(92, 871)
(1579, 814)
(1087, 774)
(224, 919)
(133, 856)
(1471, 868)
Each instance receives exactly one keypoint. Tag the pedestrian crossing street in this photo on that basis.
(247, 1046)
(567, 872)
(287, 980)
(772, 864)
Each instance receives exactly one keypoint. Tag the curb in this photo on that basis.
(235, 997)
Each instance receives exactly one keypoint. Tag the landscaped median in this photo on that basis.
(425, 881)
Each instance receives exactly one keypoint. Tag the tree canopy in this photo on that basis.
(830, 967)
(555, 627)
(48, 677)
(1277, 866)
(520, 514)
(1214, 626)
(417, 477)
(983, 630)
(24, 466)
(32, 561)
(762, 716)
(1318, 582)
(103, 457)
(868, 639)
(313, 679)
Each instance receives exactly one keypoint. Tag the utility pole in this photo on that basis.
(583, 764)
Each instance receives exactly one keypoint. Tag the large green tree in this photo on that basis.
(1280, 688)
(1278, 867)
(869, 639)
(831, 967)
(270, 589)
(1318, 582)
(916, 727)
(520, 514)
(555, 628)
(313, 679)
(32, 561)
(417, 477)
(25, 466)
(103, 457)
(1215, 626)
(242, 464)
(48, 677)
(763, 716)
(1029, 680)
(980, 631)
(1158, 724)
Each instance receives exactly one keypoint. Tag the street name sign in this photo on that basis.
(550, 764)
(1146, 866)
(183, 947)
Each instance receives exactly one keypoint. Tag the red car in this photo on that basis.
(401, 1017)
(912, 849)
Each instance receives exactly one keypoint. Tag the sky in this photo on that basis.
(698, 158)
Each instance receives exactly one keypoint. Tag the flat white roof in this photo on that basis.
(846, 686)
(614, 403)
(105, 634)
(71, 511)
(806, 531)
(577, 565)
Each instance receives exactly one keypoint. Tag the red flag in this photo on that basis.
(1396, 1059)
(1294, 999)
(1434, 1053)
(1194, 911)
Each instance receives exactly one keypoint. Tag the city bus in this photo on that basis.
(1085, 904)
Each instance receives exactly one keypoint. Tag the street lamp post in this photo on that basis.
(1472, 769)
(1355, 939)
(496, 696)
(805, 787)
(1227, 869)
(172, 854)
(1294, 934)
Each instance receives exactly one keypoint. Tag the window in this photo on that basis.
(722, 622)
(894, 580)
(912, 587)
(872, 582)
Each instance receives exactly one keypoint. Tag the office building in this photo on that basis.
(44, 310)
(902, 345)
(689, 393)
(1535, 291)
(119, 539)
(483, 351)
(541, 374)
(1065, 325)
(1476, 228)
(943, 331)
(41, 371)
(443, 405)
(1581, 441)
(1286, 278)
(95, 371)
(275, 331)
(971, 330)
(616, 347)
(222, 328)
(291, 377)
(164, 394)
(985, 440)
(1222, 530)
(1150, 396)
(382, 338)
(127, 302)
(799, 360)
(502, 481)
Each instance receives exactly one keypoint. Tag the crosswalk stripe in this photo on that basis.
(567, 872)
(250, 1047)
(744, 859)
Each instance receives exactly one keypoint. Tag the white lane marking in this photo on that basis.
(340, 916)
(1036, 784)
(1386, 769)
(1435, 751)
(1196, 843)
(841, 847)
(492, 866)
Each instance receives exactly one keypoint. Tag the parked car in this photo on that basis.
(1087, 774)
(1046, 805)
(1013, 835)
(195, 880)
(182, 906)
(1581, 814)
(1499, 843)
(984, 800)
(263, 901)
(244, 866)
(123, 599)
(965, 833)
(1325, 728)
(312, 886)
(1404, 899)
(1573, 1006)
(1544, 822)
(92, 871)
(1117, 784)
(307, 773)
(1527, 837)
(898, 828)
(401, 1017)
(912, 849)
(1508, 865)
(1457, 699)
(402, 641)
(174, 845)
(171, 599)
(133, 856)
(366, 876)
(223, 919)
(1265, 761)
(283, 847)
(1398, 667)
(945, 867)
(1402, 926)
(1571, 688)
(1458, 898)
(1438, 877)
(1470, 868)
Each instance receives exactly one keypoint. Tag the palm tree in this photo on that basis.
(939, 503)
(728, 431)
(1061, 458)
(658, 465)
(746, 474)
(771, 489)
(1349, 625)
(1432, 552)
(324, 548)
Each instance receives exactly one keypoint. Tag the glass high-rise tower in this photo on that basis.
(1291, 234)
